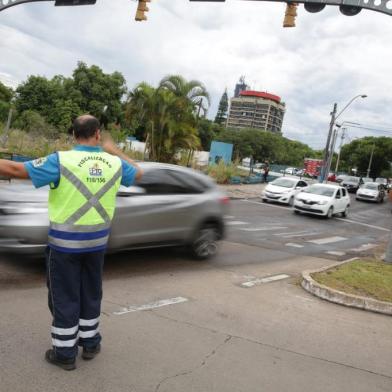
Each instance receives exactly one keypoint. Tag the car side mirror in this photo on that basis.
(132, 190)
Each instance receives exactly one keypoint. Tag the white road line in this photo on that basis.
(263, 228)
(152, 305)
(235, 223)
(294, 245)
(364, 247)
(229, 217)
(328, 240)
(336, 253)
(362, 224)
(266, 205)
(265, 280)
(292, 232)
(306, 233)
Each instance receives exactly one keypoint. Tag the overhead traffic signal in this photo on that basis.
(141, 10)
(290, 14)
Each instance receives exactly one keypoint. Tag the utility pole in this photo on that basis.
(327, 146)
(340, 149)
(370, 160)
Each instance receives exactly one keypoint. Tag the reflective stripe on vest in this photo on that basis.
(70, 236)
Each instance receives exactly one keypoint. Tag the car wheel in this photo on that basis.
(345, 213)
(265, 201)
(291, 201)
(329, 213)
(205, 242)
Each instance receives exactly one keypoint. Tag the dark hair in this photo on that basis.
(85, 127)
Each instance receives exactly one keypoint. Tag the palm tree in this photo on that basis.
(169, 124)
(192, 91)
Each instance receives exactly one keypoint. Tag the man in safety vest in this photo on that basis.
(83, 186)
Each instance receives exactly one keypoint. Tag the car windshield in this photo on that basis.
(283, 182)
(320, 190)
(381, 180)
(370, 185)
(351, 179)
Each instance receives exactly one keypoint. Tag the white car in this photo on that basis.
(323, 199)
(371, 191)
(283, 190)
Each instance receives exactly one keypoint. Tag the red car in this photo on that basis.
(332, 177)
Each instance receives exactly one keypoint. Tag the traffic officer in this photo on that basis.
(83, 185)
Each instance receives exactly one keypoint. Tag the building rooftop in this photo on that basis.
(260, 94)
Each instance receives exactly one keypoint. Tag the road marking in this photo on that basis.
(264, 228)
(234, 223)
(265, 280)
(294, 245)
(364, 247)
(266, 205)
(362, 224)
(152, 305)
(229, 217)
(327, 240)
(336, 253)
(306, 233)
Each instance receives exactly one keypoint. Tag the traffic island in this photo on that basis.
(364, 284)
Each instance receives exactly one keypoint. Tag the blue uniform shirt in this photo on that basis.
(46, 171)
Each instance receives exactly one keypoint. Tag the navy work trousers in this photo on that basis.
(75, 292)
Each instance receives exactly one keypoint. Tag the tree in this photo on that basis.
(168, 124)
(6, 95)
(192, 92)
(221, 115)
(208, 131)
(97, 93)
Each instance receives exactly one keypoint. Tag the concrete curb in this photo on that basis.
(341, 298)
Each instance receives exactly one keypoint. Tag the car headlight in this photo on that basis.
(322, 202)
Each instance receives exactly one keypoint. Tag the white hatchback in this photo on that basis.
(323, 199)
(283, 190)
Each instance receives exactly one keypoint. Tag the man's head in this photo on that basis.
(87, 128)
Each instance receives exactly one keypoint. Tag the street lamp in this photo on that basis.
(334, 117)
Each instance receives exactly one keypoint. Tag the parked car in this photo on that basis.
(371, 191)
(169, 206)
(383, 182)
(340, 178)
(290, 170)
(351, 183)
(283, 190)
(322, 199)
(331, 177)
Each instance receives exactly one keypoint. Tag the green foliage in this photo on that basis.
(208, 131)
(357, 155)
(166, 117)
(222, 172)
(221, 115)
(263, 145)
(35, 124)
(6, 95)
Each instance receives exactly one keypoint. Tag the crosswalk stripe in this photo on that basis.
(234, 223)
(327, 240)
(294, 245)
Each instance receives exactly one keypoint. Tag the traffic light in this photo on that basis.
(74, 2)
(290, 15)
(141, 9)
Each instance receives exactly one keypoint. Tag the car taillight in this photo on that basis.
(224, 200)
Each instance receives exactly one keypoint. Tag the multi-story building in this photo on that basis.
(256, 109)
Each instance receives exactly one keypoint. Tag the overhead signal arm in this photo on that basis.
(347, 7)
(4, 4)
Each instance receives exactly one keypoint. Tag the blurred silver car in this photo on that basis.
(169, 206)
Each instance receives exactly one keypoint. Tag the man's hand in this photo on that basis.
(110, 147)
(13, 169)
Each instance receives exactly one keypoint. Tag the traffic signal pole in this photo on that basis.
(327, 146)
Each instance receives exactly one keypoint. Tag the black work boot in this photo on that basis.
(66, 364)
(90, 353)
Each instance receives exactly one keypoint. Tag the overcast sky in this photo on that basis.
(327, 58)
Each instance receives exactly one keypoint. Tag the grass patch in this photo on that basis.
(369, 278)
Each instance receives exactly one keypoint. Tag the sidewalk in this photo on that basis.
(243, 191)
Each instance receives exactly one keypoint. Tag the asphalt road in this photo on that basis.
(237, 323)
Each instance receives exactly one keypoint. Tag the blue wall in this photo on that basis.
(220, 151)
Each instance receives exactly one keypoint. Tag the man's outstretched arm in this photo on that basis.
(13, 169)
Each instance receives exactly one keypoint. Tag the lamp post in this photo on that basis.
(328, 149)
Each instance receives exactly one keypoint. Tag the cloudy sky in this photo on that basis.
(327, 58)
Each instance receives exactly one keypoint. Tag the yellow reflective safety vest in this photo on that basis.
(81, 208)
